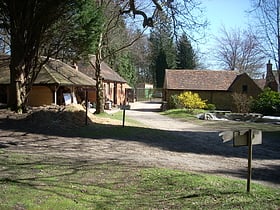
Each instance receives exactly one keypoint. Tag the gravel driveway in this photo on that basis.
(202, 149)
(175, 144)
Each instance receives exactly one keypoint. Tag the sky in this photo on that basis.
(227, 13)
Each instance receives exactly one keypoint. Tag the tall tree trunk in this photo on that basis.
(17, 93)
(99, 86)
(99, 81)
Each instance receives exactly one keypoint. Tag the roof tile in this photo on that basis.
(53, 72)
(199, 79)
(107, 73)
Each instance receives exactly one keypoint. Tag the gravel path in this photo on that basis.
(175, 144)
(203, 151)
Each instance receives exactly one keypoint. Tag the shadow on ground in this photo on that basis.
(205, 143)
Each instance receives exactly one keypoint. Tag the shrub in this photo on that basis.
(192, 100)
(211, 107)
(174, 102)
(242, 102)
(267, 103)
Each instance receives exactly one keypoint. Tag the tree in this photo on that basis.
(4, 41)
(140, 52)
(26, 22)
(187, 17)
(185, 54)
(112, 28)
(160, 66)
(267, 103)
(267, 14)
(125, 68)
(239, 50)
(163, 51)
(75, 36)
(180, 16)
(72, 36)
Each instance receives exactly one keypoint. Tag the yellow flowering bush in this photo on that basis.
(192, 100)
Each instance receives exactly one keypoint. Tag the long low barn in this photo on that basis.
(216, 87)
(56, 83)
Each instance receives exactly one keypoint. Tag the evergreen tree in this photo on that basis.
(75, 37)
(126, 69)
(161, 65)
(185, 54)
(28, 23)
(163, 50)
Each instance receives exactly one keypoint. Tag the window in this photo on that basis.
(244, 88)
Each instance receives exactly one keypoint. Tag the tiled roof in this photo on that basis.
(107, 73)
(260, 82)
(199, 79)
(53, 72)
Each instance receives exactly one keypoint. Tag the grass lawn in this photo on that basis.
(182, 114)
(36, 182)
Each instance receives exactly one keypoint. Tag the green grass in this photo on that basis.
(36, 182)
(119, 116)
(183, 115)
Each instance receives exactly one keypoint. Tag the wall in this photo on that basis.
(114, 92)
(244, 80)
(40, 95)
(221, 99)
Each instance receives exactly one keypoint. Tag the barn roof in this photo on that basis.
(54, 72)
(107, 73)
(199, 79)
(260, 83)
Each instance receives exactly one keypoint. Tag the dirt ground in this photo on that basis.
(50, 132)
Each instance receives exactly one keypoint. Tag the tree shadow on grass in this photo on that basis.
(91, 184)
(268, 174)
(103, 184)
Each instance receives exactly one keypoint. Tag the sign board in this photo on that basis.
(256, 137)
(244, 138)
(226, 136)
(240, 138)
(67, 98)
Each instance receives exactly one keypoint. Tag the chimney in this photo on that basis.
(270, 79)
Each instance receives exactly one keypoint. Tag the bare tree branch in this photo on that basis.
(239, 50)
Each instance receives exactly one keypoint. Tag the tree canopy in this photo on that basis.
(163, 51)
(70, 28)
(27, 22)
(186, 58)
(239, 50)
(266, 14)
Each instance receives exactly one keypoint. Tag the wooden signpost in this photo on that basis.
(124, 107)
(244, 138)
(123, 121)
